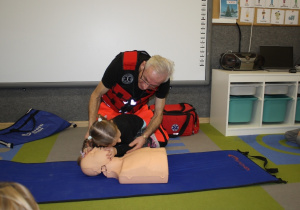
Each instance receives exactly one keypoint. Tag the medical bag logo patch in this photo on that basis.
(127, 79)
(175, 127)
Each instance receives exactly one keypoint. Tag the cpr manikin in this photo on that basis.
(145, 165)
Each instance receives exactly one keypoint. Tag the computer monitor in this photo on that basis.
(277, 57)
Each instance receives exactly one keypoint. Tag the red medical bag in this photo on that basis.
(180, 119)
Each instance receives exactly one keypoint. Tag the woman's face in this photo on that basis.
(117, 139)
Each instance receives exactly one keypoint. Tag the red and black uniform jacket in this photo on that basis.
(123, 97)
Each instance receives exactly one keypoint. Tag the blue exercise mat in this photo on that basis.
(64, 181)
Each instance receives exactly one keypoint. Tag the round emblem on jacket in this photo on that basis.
(175, 127)
(127, 79)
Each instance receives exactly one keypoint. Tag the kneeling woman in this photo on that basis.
(116, 134)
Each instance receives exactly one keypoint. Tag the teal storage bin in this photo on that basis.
(240, 109)
(275, 108)
(297, 117)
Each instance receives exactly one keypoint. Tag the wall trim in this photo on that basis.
(85, 123)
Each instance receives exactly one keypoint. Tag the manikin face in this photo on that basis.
(149, 78)
(93, 162)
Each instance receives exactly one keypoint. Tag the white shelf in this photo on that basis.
(220, 94)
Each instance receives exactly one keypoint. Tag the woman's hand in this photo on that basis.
(86, 150)
(137, 143)
(112, 151)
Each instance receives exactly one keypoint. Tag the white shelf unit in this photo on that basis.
(220, 96)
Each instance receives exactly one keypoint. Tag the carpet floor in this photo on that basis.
(281, 154)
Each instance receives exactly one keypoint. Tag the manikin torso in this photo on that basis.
(145, 165)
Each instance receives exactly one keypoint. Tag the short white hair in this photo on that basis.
(161, 65)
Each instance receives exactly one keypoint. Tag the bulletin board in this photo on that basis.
(257, 10)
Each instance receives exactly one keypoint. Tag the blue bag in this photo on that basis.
(34, 125)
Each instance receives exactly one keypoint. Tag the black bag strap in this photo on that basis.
(30, 118)
(190, 110)
(163, 134)
(265, 160)
(181, 111)
(184, 126)
(10, 145)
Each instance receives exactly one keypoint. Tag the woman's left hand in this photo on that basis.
(112, 151)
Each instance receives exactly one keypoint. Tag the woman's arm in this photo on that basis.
(153, 125)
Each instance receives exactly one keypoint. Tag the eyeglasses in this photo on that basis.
(144, 80)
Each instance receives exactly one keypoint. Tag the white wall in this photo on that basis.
(75, 40)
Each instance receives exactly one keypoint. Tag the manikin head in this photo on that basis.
(93, 162)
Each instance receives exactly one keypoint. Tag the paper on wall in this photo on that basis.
(229, 9)
(263, 16)
(291, 17)
(277, 16)
(247, 15)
